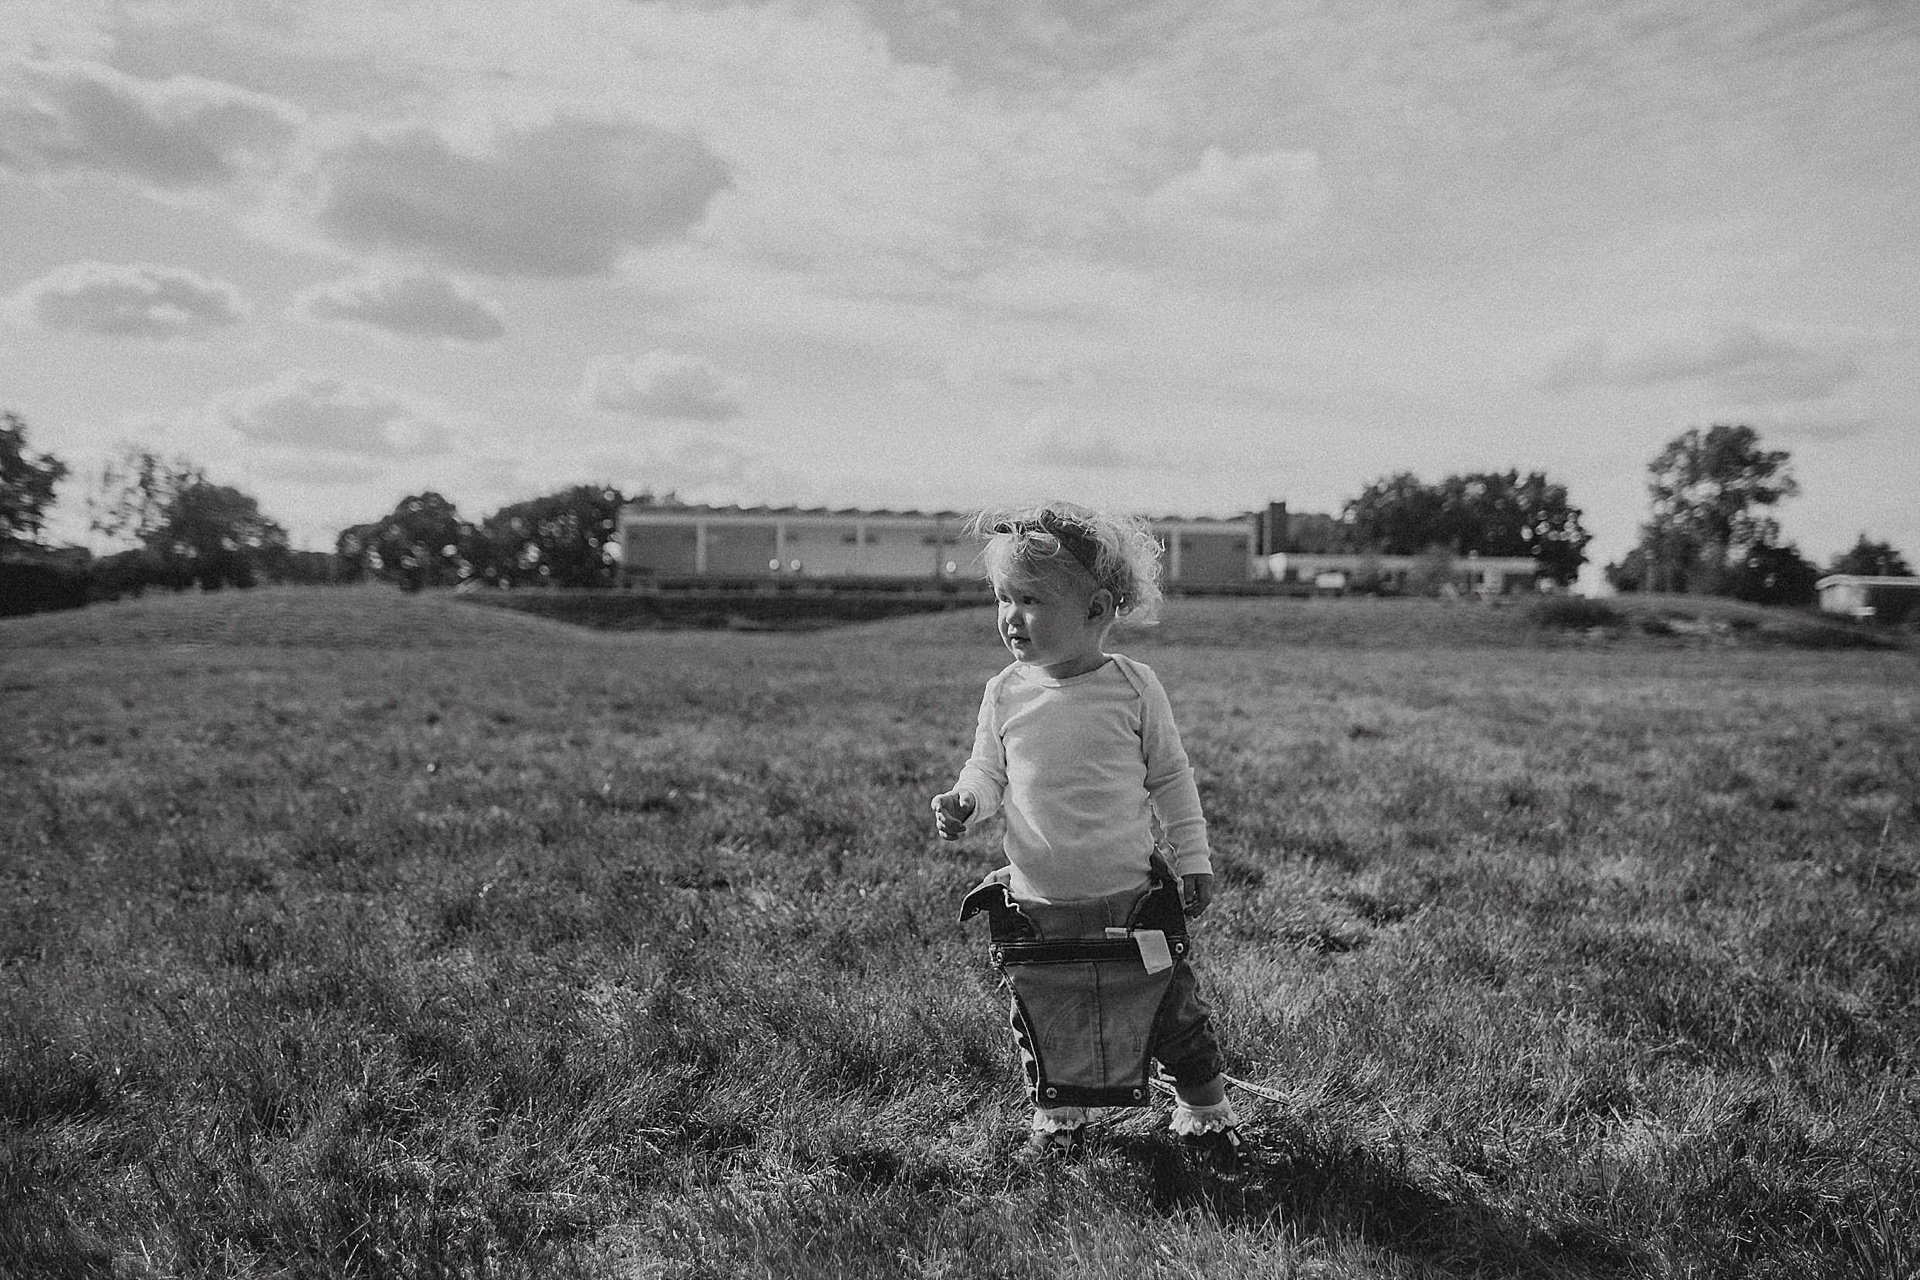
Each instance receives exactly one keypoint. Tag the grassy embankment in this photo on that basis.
(351, 934)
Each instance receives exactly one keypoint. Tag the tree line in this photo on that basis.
(1710, 530)
(565, 539)
(178, 529)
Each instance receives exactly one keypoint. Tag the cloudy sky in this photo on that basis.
(1182, 256)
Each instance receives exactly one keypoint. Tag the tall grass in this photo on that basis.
(351, 934)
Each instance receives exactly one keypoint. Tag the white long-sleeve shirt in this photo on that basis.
(1082, 767)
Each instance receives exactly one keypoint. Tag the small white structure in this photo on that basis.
(1477, 574)
(1858, 595)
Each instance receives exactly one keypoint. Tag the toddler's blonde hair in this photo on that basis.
(1118, 552)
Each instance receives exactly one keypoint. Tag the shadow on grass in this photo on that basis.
(1299, 1182)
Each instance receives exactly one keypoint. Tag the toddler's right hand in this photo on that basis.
(951, 812)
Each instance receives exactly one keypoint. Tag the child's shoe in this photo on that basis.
(1049, 1146)
(1056, 1134)
(1224, 1150)
(1211, 1133)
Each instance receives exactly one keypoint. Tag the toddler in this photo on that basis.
(1077, 748)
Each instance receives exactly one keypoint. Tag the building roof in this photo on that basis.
(1354, 559)
(1863, 580)
(706, 509)
(857, 513)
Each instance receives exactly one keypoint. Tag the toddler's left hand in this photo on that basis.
(1196, 892)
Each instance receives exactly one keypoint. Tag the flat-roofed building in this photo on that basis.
(675, 542)
(1858, 595)
(768, 542)
(1207, 553)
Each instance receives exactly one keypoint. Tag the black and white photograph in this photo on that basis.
(1024, 639)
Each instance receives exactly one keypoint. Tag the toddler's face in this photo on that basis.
(1050, 625)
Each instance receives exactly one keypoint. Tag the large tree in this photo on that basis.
(1659, 561)
(26, 484)
(422, 542)
(1872, 560)
(1502, 513)
(1397, 515)
(135, 490)
(187, 528)
(565, 539)
(1711, 494)
(222, 536)
(1494, 513)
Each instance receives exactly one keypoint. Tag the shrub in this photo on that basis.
(35, 588)
(1574, 613)
(129, 573)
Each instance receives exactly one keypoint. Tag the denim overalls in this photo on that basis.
(1091, 1000)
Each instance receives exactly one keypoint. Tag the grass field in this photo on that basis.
(347, 933)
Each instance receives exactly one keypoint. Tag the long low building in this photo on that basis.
(661, 542)
(742, 542)
(677, 543)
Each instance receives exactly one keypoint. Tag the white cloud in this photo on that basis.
(661, 384)
(419, 303)
(318, 412)
(70, 29)
(568, 197)
(1750, 366)
(1083, 448)
(865, 176)
(306, 470)
(692, 463)
(138, 300)
(1067, 289)
(1778, 372)
(80, 117)
(1280, 191)
(982, 365)
(817, 151)
(697, 466)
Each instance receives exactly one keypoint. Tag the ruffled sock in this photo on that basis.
(1190, 1121)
